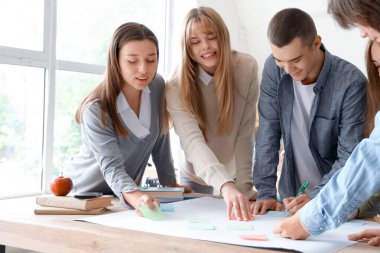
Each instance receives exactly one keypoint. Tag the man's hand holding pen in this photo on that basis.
(293, 204)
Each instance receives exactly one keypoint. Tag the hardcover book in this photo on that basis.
(163, 191)
(74, 203)
(173, 194)
(67, 211)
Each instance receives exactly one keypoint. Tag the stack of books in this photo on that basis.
(51, 204)
(172, 194)
(164, 194)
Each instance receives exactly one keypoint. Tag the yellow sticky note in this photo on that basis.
(240, 226)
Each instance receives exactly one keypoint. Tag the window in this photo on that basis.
(22, 27)
(52, 52)
(21, 128)
(84, 28)
(70, 90)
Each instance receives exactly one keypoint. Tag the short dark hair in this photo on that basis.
(290, 23)
(350, 13)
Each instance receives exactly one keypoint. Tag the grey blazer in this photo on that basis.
(110, 163)
(337, 122)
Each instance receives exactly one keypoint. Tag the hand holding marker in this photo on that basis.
(299, 192)
(302, 188)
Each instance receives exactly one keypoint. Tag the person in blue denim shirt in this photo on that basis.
(371, 207)
(359, 178)
(315, 102)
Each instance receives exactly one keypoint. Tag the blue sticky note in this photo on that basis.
(167, 207)
(356, 222)
(276, 214)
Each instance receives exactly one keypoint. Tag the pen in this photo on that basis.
(302, 188)
(299, 192)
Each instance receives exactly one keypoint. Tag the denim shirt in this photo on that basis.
(353, 184)
(337, 124)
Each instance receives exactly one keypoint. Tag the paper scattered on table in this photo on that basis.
(213, 212)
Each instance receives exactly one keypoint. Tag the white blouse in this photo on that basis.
(138, 125)
(204, 76)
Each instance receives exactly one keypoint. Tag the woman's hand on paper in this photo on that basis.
(138, 199)
(237, 202)
(291, 228)
(262, 206)
(372, 235)
(293, 204)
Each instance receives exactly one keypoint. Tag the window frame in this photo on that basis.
(47, 60)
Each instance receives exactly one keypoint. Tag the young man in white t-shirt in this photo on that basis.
(315, 102)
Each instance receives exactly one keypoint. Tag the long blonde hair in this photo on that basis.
(190, 93)
(373, 91)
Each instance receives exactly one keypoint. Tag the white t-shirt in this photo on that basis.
(306, 168)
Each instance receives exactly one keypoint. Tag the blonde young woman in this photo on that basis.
(212, 100)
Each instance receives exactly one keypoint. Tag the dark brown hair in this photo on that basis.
(351, 13)
(373, 91)
(106, 92)
(288, 24)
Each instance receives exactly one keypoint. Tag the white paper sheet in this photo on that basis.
(214, 210)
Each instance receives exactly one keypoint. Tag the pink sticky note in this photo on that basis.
(254, 237)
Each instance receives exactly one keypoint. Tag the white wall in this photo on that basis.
(177, 10)
(226, 8)
(229, 10)
(248, 20)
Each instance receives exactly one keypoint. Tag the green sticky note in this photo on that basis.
(201, 226)
(152, 215)
(198, 220)
(240, 226)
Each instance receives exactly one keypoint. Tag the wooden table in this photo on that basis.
(19, 227)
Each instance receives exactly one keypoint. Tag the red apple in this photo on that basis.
(61, 185)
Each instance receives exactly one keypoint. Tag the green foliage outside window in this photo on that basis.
(71, 88)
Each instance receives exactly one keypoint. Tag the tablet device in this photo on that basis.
(87, 195)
